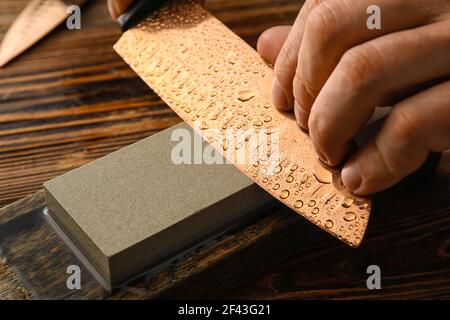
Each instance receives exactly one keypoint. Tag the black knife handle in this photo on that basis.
(138, 11)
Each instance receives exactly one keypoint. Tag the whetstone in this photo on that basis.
(134, 208)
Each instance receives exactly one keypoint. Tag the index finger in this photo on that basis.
(286, 64)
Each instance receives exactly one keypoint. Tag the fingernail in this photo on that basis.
(351, 176)
(279, 99)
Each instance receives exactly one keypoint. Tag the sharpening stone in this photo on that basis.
(135, 208)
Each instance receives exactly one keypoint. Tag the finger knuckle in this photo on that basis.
(391, 159)
(283, 73)
(307, 7)
(287, 55)
(395, 152)
(406, 126)
(360, 64)
(304, 92)
(311, 4)
(322, 21)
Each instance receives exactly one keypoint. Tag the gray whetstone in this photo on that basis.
(134, 207)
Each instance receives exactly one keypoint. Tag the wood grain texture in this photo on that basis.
(11, 287)
(71, 100)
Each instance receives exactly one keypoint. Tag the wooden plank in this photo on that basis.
(71, 78)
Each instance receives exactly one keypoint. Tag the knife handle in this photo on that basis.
(138, 11)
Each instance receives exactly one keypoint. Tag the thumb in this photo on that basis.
(270, 42)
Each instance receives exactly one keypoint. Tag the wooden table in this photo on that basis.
(71, 99)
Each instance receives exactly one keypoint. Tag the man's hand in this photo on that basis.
(333, 70)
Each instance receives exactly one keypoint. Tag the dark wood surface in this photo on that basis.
(71, 99)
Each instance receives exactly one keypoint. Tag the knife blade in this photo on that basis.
(38, 19)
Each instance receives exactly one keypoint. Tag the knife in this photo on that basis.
(38, 19)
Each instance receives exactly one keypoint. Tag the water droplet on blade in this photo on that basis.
(277, 169)
(298, 204)
(267, 118)
(322, 175)
(247, 94)
(347, 202)
(349, 216)
(284, 194)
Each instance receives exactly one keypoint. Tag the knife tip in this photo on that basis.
(4, 56)
(4, 61)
